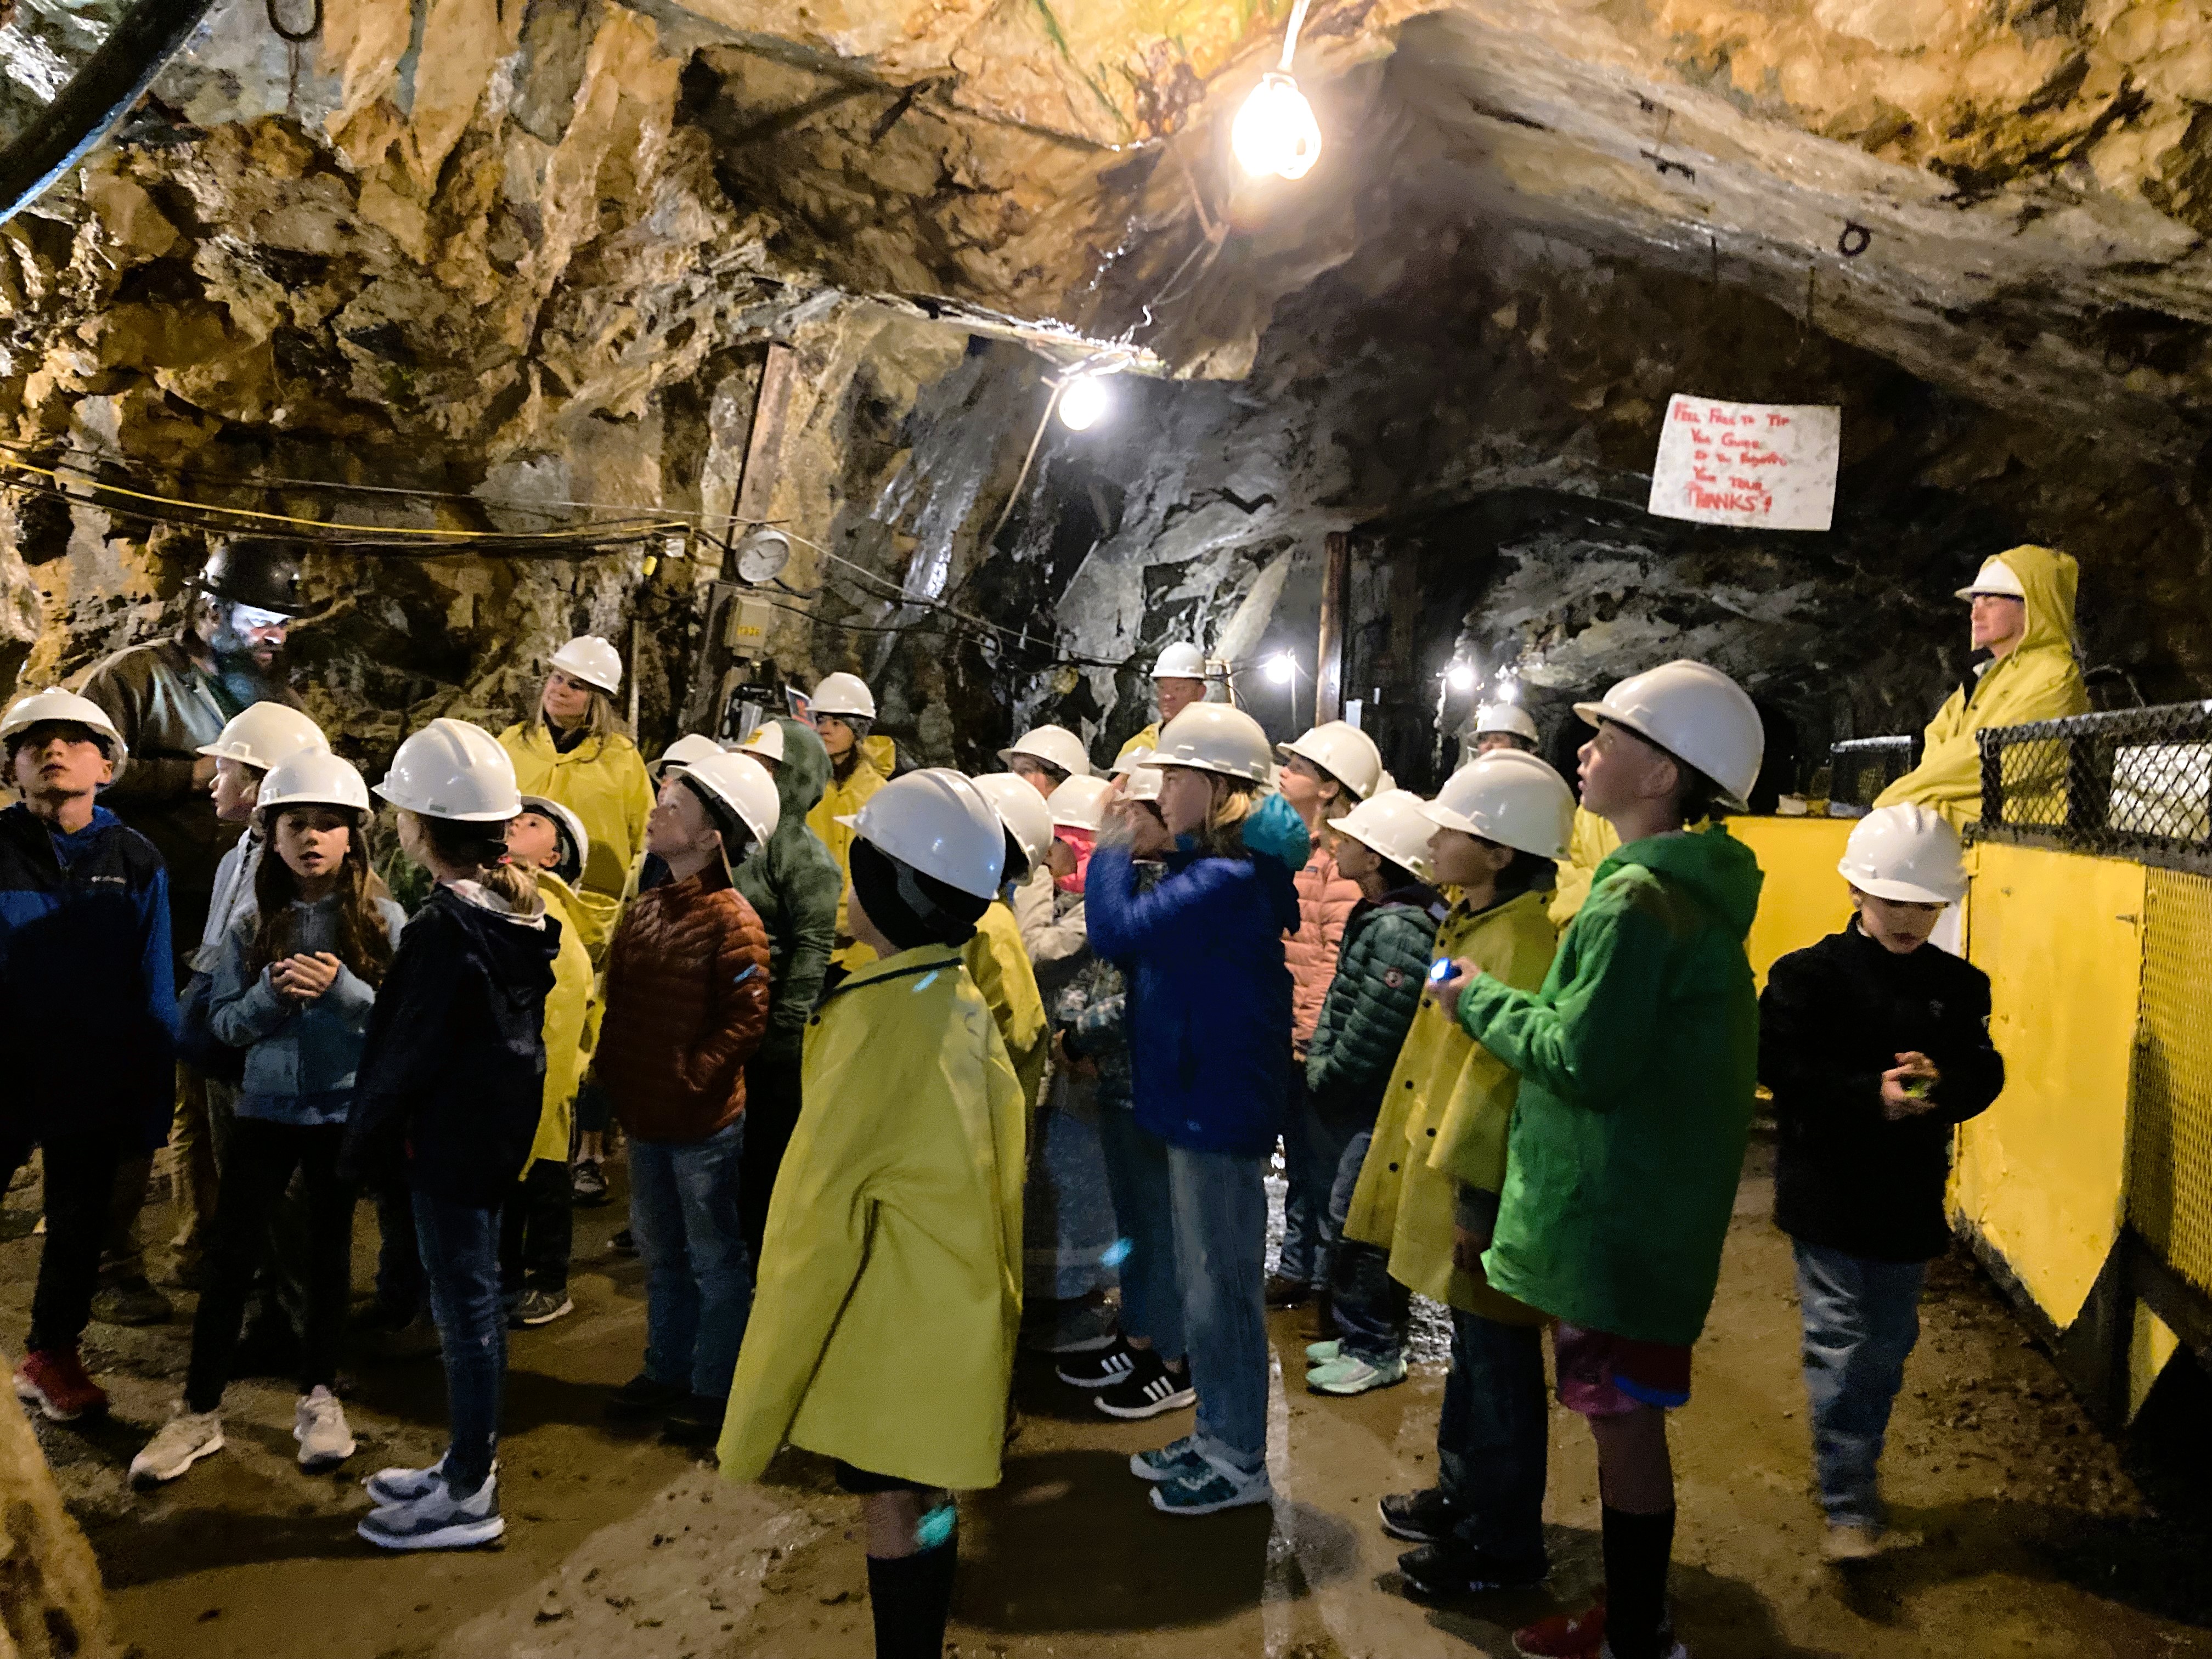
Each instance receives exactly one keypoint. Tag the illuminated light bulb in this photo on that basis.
(1280, 667)
(1509, 691)
(1275, 131)
(1082, 401)
(1460, 677)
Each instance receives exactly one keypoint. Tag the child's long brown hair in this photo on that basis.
(483, 847)
(364, 941)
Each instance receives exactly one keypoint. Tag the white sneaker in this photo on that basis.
(437, 1520)
(397, 1486)
(318, 1423)
(185, 1438)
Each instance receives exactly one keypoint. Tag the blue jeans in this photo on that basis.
(1862, 1319)
(1068, 1211)
(698, 1271)
(1220, 1207)
(1137, 1175)
(1370, 1308)
(460, 1245)
(1493, 1435)
(1313, 1151)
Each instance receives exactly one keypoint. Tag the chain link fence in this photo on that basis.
(2136, 783)
(1860, 768)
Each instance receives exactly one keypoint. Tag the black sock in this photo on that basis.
(1637, 1549)
(913, 1597)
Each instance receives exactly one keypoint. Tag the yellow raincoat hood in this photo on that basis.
(2038, 681)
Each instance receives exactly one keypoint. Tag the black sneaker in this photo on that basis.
(1418, 1517)
(1445, 1573)
(642, 1399)
(588, 1183)
(623, 1242)
(1150, 1388)
(1101, 1368)
(694, 1421)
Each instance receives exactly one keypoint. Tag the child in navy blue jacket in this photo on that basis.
(87, 1013)
(1209, 1030)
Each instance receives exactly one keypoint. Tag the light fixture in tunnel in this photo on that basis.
(1460, 677)
(1275, 132)
(1509, 691)
(1082, 400)
(1281, 667)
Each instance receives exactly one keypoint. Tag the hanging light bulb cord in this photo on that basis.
(1291, 34)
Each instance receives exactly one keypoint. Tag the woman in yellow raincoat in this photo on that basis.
(573, 751)
(1428, 1191)
(883, 1330)
(842, 709)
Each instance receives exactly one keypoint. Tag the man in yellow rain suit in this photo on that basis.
(2023, 616)
(1178, 681)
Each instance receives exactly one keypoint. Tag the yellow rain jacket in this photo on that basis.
(1592, 842)
(890, 1291)
(2040, 680)
(572, 1017)
(870, 772)
(1147, 738)
(1444, 1116)
(602, 782)
(999, 965)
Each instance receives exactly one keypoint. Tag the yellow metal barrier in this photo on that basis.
(1803, 899)
(2042, 1175)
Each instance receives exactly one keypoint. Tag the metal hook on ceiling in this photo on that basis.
(296, 37)
(1855, 240)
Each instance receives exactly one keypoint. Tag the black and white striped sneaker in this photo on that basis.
(1150, 1388)
(1101, 1368)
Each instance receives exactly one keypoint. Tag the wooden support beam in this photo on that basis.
(1328, 658)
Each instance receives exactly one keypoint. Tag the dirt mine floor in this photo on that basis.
(2044, 1539)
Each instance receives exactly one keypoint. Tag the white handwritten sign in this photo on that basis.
(1759, 466)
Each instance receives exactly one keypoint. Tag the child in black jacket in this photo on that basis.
(1876, 1045)
(447, 1095)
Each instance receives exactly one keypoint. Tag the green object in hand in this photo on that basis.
(1920, 1088)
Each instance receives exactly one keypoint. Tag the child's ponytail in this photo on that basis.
(483, 847)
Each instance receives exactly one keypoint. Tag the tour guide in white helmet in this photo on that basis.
(882, 1332)
(1179, 677)
(576, 750)
(1639, 1061)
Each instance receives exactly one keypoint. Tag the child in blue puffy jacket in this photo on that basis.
(1209, 1014)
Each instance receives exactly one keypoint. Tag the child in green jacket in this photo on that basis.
(1637, 1060)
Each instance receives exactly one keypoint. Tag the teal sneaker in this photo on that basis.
(1320, 1353)
(1172, 1462)
(1211, 1488)
(1348, 1374)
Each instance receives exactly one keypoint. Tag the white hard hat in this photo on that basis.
(312, 776)
(686, 751)
(592, 660)
(565, 816)
(1024, 812)
(1511, 797)
(1180, 661)
(264, 733)
(1996, 576)
(939, 822)
(1343, 751)
(1142, 754)
(1056, 745)
(452, 769)
(1213, 737)
(1905, 853)
(842, 695)
(1696, 714)
(1503, 717)
(742, 784)
(1080, 803)
(1391, 823)
(766, 742)
(1144, 783)
(56, 704)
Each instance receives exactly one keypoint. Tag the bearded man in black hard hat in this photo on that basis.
(170, 698)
